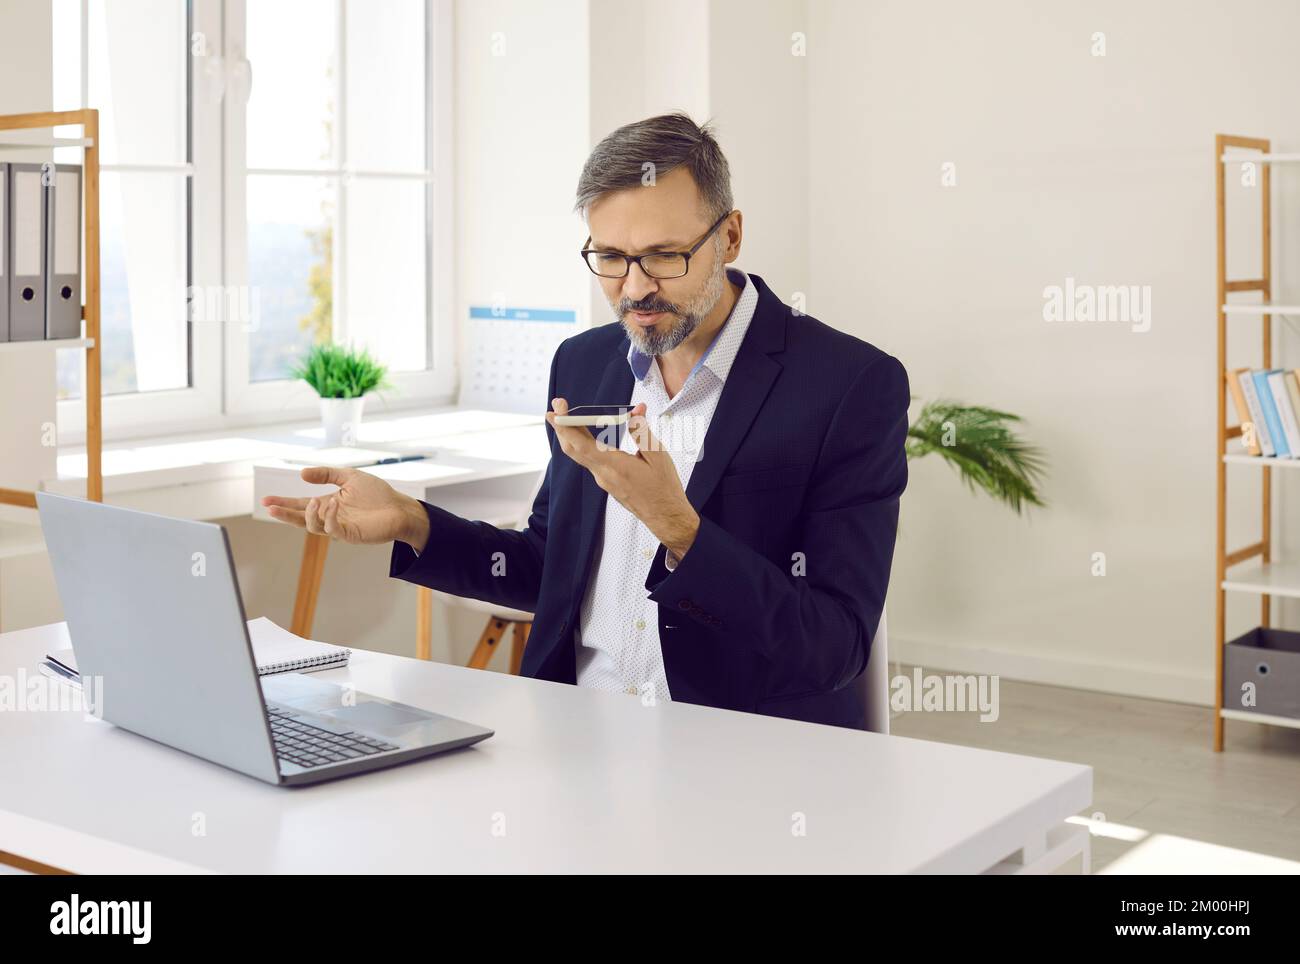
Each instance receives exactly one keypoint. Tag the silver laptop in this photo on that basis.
(154, 612)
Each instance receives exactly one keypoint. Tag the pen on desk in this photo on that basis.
(404, 458)
(56, 667)
(56, 670)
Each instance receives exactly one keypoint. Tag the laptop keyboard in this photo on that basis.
(310, 746)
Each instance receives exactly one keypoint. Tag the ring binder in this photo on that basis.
(26, 253)
(63, 251)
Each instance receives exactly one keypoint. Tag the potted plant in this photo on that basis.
(341, 376)
(984, 449)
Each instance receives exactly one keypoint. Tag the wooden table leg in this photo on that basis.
(309, 576)
(487, 643)
(423, 623)
(517, 646)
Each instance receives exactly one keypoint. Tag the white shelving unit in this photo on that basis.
(1265, 578)
(28, 382)
(20, 479)
(1250, 569)
(1263, 309)
(1271, 461)
(55, 343)
(1260, 718)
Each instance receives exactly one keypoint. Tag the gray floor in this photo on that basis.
(1155, 775)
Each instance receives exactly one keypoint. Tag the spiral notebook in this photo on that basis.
(276, 650)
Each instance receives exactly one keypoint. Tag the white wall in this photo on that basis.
(25, 59)
(645, 59)
(1097, 168)
(521, 137)
(758, 97)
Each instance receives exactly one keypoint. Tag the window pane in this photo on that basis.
(290, 270)
(387, 258)
(138, 61)
(143, 317)
(291, 45)
(385, 84)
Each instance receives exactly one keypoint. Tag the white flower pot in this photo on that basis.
(342, 419)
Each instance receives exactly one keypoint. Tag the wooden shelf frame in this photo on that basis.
(1267, 578)
(91, 390)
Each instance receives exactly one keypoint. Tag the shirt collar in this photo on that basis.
(727, 340)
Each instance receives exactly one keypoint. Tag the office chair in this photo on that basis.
(877, 680)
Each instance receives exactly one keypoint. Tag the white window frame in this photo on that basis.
(221, 396)
(135, 413)
(288, 399)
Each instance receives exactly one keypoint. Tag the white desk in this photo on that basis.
(579, 781)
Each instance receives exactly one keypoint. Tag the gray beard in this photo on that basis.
(650, 342)
(653, 343)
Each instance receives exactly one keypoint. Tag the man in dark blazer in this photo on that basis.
(764, 574)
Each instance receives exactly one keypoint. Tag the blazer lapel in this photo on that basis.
(743, 393)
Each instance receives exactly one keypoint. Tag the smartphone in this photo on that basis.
(596, 416)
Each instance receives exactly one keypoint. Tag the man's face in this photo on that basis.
(659, 314)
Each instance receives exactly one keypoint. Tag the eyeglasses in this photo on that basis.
(661, 265)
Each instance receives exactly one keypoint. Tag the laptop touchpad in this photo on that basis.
(376, 715)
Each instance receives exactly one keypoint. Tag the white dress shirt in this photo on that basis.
(618, 646)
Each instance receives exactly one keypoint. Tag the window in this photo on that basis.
(270, 178)
(128, 58)
(332, 188)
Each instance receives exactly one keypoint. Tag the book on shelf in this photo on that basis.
(1267, 401)
(1271, 418)
(1277, 379)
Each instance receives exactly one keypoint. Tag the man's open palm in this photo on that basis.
(365, 510)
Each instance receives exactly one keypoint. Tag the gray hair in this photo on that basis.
(659, 145)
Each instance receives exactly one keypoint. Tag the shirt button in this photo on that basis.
(640, 624)
(631, 690)
(648, 553)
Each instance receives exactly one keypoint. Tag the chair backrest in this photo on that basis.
(532, 497)
(878, 680)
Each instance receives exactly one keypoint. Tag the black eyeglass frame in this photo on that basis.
(629, 258)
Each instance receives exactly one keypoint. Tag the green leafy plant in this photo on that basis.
(982, 445)
(336, 371)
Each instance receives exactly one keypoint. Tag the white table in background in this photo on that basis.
(486, 473)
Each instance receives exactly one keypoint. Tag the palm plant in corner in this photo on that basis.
(342, 377)
(982, 446)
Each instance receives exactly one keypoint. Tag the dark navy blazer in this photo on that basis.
(773, 608)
